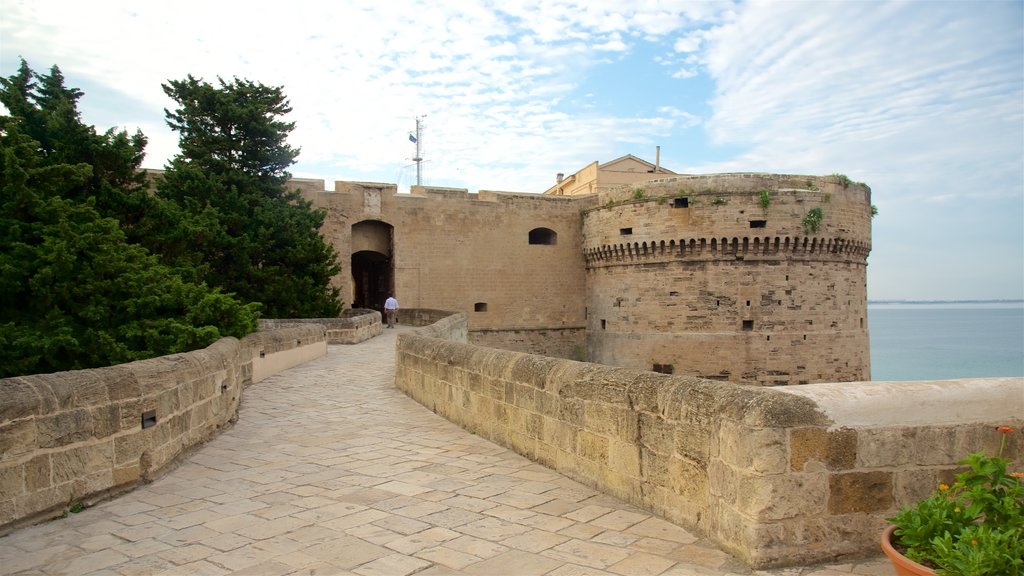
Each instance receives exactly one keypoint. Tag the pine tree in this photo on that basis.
(74, 293)
(246, 231)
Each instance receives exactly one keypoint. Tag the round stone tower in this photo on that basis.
(754, 278)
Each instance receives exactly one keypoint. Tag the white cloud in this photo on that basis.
(921, 100)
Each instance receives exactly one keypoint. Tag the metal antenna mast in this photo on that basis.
(418, 139)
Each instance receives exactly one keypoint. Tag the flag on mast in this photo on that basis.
(412, 138)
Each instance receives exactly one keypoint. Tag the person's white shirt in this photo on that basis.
(391, 303)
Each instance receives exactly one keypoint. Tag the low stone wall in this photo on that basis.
(777, 476)
(86, 435)
(423, 316)
(355, 325)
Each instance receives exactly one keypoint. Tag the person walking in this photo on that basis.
(390, 309)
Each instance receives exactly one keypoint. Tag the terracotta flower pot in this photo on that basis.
(903, 566)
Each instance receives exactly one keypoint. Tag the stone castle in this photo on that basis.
(738, 278)
(754, 278)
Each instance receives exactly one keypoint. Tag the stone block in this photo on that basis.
(780, 496)
(593, 447)
(655, 433)
(8, 511)
(571, 412)
(122, 384)
(168, 402)
(610, 420)
(12, 480)
(17, 438)
(41, 500)
(106, 420)
(74, 462)
(902, 447)
(20, 400)
(836, 449)
(860, 492)
(653, 467)
(63, 428)
(624, 458)
(688, 479)
(910, 486)
(39, 473)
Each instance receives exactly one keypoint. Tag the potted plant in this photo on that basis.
(974, 527)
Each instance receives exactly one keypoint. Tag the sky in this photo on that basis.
(922, 101)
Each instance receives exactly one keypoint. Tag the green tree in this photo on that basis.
(47, 112)
(74, 293)
(241, 226)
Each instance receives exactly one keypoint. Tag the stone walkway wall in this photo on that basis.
(777, 476)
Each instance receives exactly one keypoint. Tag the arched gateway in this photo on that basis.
(372, 264)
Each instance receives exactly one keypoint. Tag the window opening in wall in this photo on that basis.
(758, 223)
(718, 303)
(673, 293)
(748, 302)
(681, 203)
(769, 338)
(480, 307)
(544, 236)
(625, 231)
(861, 322)
(604, 324)
(748, 325)
(663, 368)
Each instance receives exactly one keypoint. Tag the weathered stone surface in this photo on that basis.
(781, 496)
(624, 458)
(20, 400)
(836, 449)
(38, 473)
(64, 428)
(758, 449)
(17, 437)
(860, 492)
(895, 447)
(593, 447)
(12, 480)
(106, 420)
(75, 462)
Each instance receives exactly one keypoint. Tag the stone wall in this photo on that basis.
(85, 435)
(778, 476)
(467, 252)
(355, 325)
(555, 342)
(695, 275)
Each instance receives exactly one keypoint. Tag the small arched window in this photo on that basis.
(543, 236)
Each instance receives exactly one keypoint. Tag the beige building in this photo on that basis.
(755, 278)
(596, 178)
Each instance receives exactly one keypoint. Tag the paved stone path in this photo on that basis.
(331, 470)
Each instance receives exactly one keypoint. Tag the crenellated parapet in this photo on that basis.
(840, 249)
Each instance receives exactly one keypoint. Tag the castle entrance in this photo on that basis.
(372, 264)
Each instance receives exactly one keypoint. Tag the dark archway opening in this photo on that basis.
(372, 264)
(371, 272)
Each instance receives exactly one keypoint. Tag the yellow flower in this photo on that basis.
(943, 487)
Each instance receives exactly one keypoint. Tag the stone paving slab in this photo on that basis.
(331, 470)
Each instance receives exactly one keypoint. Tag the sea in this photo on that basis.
(946, 340)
